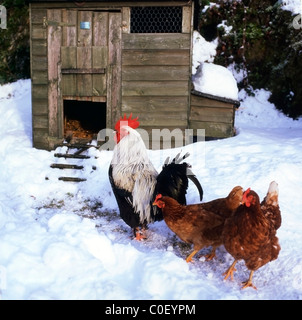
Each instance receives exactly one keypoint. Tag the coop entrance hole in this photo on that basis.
(83, 119)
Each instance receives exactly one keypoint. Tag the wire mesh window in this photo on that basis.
(156, 20)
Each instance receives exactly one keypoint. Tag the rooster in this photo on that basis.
(200, 224)
(250, 234)
(135, 181)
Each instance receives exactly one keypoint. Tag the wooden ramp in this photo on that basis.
(74, 153)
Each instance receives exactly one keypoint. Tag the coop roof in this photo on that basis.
(236, 103)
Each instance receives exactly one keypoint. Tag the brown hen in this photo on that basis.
(199, 224)
(250, 235)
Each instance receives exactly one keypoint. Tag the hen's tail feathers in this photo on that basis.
(272, 195)
(270, 205)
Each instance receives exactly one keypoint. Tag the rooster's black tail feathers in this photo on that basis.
(177, 159)
(174, 178)
(194, 179)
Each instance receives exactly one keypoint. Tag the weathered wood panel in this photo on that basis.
(39, 77)
(216, 117)
(99, 61)
(154, 104)
(224, 115)
(163, 137)
(39, 62)
(114, 69)
(155, 70)
(38, 32)
(126, 19)
(84, 55)
(84, 35)
(69, 32)
(202, 102)
(40, 138)
(68, 51)
(186, 19)
(54, 40)
(38, 48)
(212, 129)
(40, 91)
(40, 122)
(40, 106)
(105, 5)
(155, 73)
(155, 76)
(69, 57)
(99, 57)
(37, 15)
(155, 88)
(100, 29)
(156, 57)
(163, 120)
(84, 82)
(157, 41)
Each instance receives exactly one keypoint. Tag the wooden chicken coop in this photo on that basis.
(93, 61)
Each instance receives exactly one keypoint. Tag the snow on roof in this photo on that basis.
(295, 6)
(209, 78)
(215, 80)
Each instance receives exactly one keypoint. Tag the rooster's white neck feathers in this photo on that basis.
(133, 171)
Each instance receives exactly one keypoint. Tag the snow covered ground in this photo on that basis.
(62, 240)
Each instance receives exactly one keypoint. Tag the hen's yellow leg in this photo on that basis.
(211, 255)
(191, 255)
(230, 271)
(248, 283)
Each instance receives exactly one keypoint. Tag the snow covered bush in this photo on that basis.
(259, 37)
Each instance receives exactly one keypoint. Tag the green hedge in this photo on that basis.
(14, 42)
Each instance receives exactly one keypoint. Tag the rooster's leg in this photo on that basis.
(211, 255)
(139, 234)
(230, 271)
(248, 283)
(191, 255)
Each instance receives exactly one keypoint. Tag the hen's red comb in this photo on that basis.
(158, 196)
(246, 192)
(133, 123)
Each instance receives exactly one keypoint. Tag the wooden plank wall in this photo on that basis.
(216, 117)
(156, 76)
(155, 70)
(39, 77)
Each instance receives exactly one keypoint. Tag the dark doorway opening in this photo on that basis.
(83, 119)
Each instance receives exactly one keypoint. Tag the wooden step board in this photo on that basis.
(76, 145)
(74, 155)
(72, 179)
(71, 156)
(66, 166)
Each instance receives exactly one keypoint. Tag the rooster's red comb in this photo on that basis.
(133, 123)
